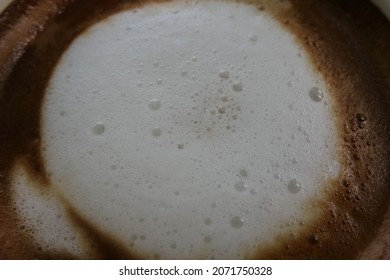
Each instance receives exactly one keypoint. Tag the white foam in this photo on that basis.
(155, 193)
(45, 218)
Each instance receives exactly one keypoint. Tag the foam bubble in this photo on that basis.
(224, 98)
(294, 186)
(156, 132)
(361, 118)
(98, 128)
(237, 222)
(243, 172)
(240, 186)
(207, 239)
(154, 104)
(222, 109)
(253, 38)
(316, 94)
(238, 86)
(208, 221)
(224, 74)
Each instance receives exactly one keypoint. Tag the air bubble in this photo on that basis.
(221, 110)
(294, 186)
(361, 118)
(240, 186)
(253, 38)
(238, 86)
(237, 222)
(224, 98)
(98, 128)
(243, 173)
(156, 132)
(224, 74)
(180, 146)
(154, 104)
(316, 94)
(208, 221)
(207, 239)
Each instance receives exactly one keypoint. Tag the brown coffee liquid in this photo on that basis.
(347, 42)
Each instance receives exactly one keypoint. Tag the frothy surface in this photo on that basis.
(189, 130)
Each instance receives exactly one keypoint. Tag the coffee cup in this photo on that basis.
(193, 130)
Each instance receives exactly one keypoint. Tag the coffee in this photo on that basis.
(189, 130)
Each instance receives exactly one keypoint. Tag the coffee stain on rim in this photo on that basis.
(343, 53)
